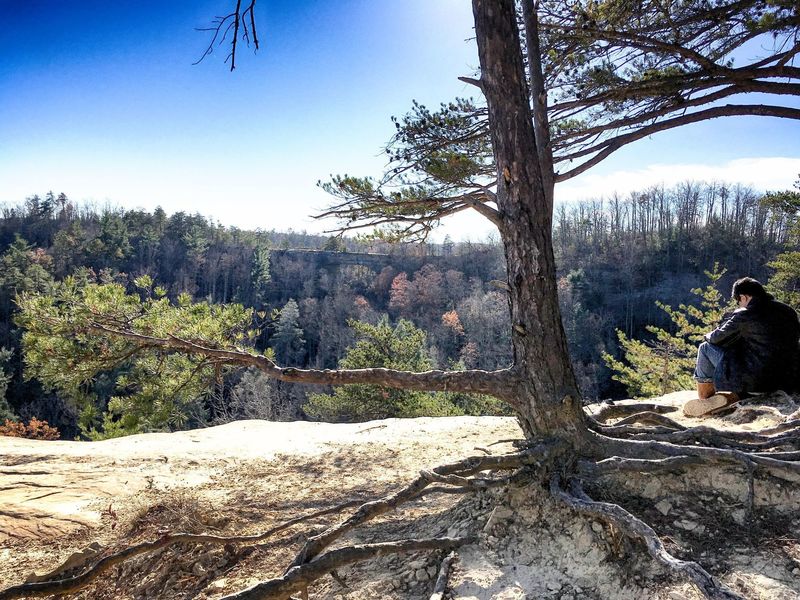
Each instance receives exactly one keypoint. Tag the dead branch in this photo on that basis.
(299, 577)
(709, 586)
(444, 576)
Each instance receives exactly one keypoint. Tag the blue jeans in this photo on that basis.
(708, 357)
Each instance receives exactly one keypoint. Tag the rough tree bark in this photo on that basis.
(546, 394)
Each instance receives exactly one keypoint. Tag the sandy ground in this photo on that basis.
(57, 498)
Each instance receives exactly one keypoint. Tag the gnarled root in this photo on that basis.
(80, 581)
(454, 473)
(300, 577)
(443, 577)
(633, 527)
(453, 478)
(616, 411)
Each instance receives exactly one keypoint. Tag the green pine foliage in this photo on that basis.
(666, 362)
(5, 378)
(382, 345)
(288, 343)
(71, 347)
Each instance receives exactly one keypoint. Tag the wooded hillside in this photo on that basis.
(616, 257)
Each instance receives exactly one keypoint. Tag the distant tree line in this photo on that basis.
(616, 257)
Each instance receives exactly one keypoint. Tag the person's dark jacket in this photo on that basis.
(761, 348)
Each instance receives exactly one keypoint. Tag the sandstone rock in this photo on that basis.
(686, 524)
(739, 516)
(652, 489)
(219, 584)
(664, 506)
(500, 514)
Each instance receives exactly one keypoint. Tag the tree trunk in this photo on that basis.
(546, 394)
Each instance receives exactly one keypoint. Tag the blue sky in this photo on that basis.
(100, 100)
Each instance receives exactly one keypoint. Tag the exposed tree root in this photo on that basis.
(662, 428)
(633, 527)
(631, 431)
(655, 449)
(652, 417)
(627, 455)
(615, 411)
(300, 577)
(785, 426)
(750, 440)
(456, 478)
(460, 469)
(72, 584)
(444, 577)
(617, 464)
(668, 430)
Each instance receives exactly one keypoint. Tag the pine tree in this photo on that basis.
(400, 347)
(288, 342)
(665, 363)
(5, 408)
(259, 273)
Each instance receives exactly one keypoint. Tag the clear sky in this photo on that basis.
(99, 99)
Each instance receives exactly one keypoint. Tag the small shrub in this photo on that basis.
(34, 430)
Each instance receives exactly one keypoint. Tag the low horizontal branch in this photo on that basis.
(476, 381)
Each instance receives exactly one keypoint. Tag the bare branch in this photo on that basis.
(472, 81)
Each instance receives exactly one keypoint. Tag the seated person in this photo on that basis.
(754, 350)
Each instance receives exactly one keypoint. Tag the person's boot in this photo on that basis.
(708, 403)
